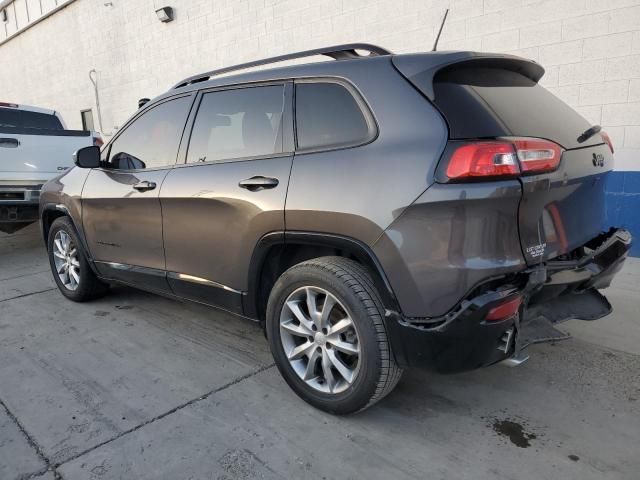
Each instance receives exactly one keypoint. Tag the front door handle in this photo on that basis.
(144, 186)
(257, 183)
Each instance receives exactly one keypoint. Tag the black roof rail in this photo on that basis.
(337, 52)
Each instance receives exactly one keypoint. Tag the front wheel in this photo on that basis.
(69, 264)
(327, 335)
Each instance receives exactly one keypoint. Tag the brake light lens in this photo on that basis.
(537, 156)
(503, 158)
(607, 139)
(483, 159)
(505, 310)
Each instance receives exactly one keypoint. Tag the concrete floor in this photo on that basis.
(136, 386)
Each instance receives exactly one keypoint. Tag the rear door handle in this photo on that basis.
(9, 142)
(144, 186)
(257, 183)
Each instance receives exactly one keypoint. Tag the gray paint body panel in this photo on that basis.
(358, 192)
(211, 225)
(121, 224)
(449, 240)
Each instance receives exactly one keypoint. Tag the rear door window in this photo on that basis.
(328, 116)
(23, 119)
(237, 124)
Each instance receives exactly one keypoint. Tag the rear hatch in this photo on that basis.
(499, 98)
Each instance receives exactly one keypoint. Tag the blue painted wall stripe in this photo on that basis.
(623, 204)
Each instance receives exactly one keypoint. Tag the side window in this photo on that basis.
(152, 140)
(243, 122)
(327, 115)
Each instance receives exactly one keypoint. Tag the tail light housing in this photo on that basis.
(483, 159)
(504, 158)
(537, 156)
(505, 310)
(607, 139)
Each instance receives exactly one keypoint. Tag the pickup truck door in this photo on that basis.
(229, 192)
(120, 207)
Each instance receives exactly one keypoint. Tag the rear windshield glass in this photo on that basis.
(490, 102)
(12, 118)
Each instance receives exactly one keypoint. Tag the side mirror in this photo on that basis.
(87, 157)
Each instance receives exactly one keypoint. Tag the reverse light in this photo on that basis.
(537, 156)
(607, 139)
(504, 310)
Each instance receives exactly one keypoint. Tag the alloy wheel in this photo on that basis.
(320, 339)
(65, 257)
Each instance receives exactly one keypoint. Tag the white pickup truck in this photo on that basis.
(34, 148)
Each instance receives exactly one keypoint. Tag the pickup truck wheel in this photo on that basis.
(69, 264)
(326, 332)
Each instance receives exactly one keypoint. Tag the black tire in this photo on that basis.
(89, 287)
(351, 284)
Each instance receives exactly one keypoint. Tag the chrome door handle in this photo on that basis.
(144, 186)
(257, 183)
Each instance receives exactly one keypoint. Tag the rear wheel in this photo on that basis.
(326, 332)
(69, 263)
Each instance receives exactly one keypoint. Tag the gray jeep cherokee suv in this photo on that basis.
(374, 213)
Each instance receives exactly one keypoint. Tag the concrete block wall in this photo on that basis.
(589, 48)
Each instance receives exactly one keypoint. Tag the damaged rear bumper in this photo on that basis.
(550, 293)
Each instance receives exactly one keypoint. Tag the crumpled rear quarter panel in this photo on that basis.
(449, 240)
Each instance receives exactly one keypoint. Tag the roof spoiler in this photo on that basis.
(421, 68)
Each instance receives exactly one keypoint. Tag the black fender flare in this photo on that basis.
(358, 249)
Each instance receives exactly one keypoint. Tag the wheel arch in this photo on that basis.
(49, 214)
(275, 252)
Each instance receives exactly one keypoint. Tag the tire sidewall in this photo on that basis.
(80, 293)
(359, 393)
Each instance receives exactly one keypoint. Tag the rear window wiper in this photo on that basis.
(588, 133)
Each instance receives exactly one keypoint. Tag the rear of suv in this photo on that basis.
(374, 213)
(35, 147)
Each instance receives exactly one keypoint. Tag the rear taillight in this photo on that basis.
(483, 159)
(537, 156)
(11, 105)
(503, 158)
(607, 139)
(505, 310)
